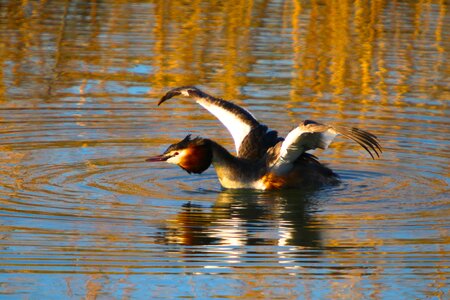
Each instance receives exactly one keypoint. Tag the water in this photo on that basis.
(83, 216)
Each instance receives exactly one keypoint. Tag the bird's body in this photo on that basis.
(264, 160)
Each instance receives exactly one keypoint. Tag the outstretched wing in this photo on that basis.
(310, 135)
(251, 138)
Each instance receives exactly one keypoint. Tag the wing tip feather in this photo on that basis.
(365, 139)
(184, 90)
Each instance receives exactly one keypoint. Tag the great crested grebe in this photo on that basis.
(264, 160)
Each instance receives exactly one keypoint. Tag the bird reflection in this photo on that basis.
(246, 217)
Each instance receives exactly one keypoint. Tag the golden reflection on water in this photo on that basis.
(337, 47)
(78, 84)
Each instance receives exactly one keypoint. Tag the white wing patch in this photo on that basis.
(326, 138)
(300, 140)
(237, 128)
(290, 149)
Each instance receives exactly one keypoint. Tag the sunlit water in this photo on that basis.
(82, 215)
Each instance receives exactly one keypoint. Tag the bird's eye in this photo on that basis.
(176, 153)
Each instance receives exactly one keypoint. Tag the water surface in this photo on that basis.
(83, 216)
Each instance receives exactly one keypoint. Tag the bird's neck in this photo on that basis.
(233, 172)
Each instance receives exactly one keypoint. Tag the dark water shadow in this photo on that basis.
(246, 217)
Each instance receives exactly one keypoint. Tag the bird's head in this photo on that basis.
(192, 155)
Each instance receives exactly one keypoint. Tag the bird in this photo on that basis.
(263, 159)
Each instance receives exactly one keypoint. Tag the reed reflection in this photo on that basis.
(238, 218)
(335, 47)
